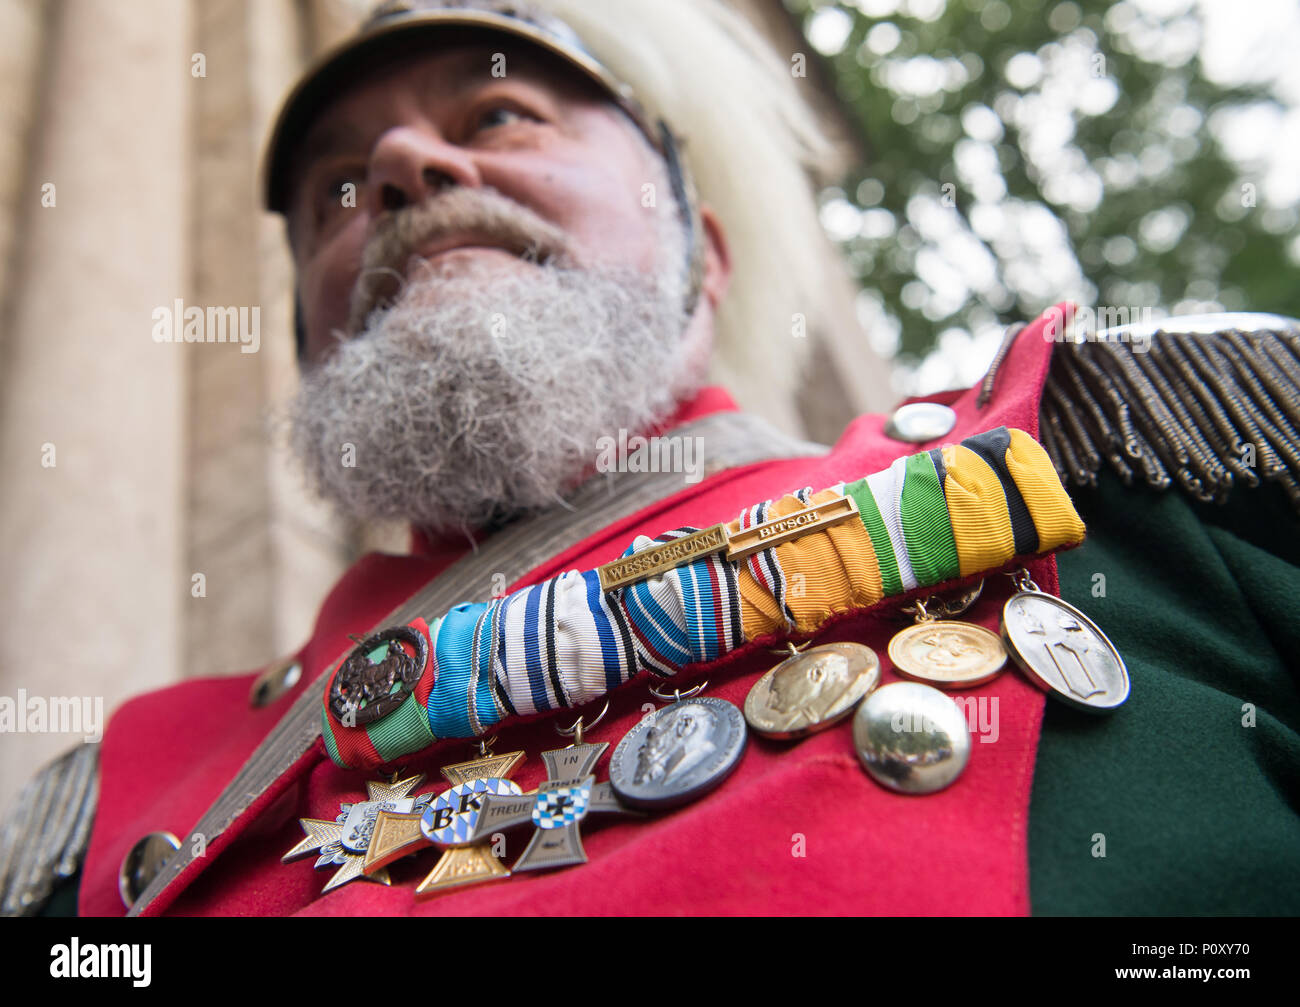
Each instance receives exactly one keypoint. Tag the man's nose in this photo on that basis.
(410, 164)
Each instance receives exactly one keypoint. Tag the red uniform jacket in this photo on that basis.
(798, 828)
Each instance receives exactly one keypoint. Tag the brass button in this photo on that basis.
(920, 422)
(273, 683)
(142, 863)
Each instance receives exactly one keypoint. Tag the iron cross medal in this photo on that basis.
(569, 794)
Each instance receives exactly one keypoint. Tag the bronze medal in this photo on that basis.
(378, 675)
(811, 690)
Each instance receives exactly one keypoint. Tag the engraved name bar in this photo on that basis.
(772, 533)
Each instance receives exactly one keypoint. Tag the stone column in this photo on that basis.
(309, 546)
(90, 405)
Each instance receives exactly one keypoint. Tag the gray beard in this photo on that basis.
(480, 394)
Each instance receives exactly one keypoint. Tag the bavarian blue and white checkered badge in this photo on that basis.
(562, 804)
(450, 819)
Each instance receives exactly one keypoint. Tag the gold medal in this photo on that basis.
(446, 822)
(947, 653)
(811, 690)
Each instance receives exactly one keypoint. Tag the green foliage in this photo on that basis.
(1021, 153)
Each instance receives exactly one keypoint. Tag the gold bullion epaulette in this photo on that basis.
(1204, 402)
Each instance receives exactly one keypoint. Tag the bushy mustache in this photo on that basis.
(485, 214)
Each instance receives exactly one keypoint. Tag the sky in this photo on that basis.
(1243, 42)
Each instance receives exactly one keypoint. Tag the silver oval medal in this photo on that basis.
(678, 753)
(1063, 652)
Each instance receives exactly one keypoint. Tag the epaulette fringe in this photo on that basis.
(1202, 411)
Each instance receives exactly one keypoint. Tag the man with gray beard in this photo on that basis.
(474, 393)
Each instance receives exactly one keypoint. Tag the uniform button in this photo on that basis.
(274, 682)
(142, 863)
(920, 422)
(911, 738)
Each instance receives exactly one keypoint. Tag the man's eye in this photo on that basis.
(503, 115)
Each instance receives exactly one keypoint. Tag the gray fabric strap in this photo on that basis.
(46, 833)
(727, 440)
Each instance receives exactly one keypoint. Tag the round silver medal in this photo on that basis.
(678, 753)
(1063, 652)
(911, 737)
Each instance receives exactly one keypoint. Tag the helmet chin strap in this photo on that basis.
(684, 193)
(299, 328)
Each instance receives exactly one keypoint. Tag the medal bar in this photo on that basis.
(783, 529)
(659, 559)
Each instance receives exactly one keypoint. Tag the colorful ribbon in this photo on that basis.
(928, 519)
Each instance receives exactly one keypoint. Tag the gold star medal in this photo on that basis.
(448, 822)
(345, 841)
